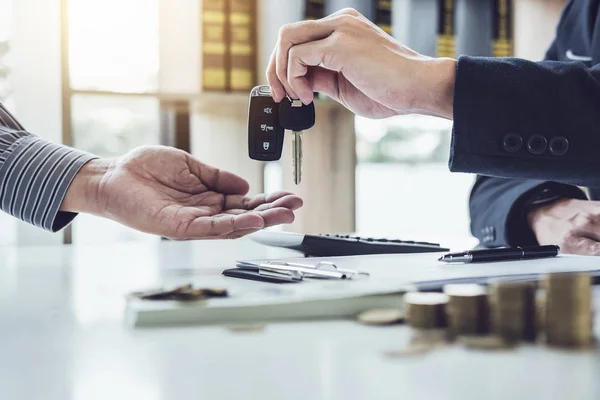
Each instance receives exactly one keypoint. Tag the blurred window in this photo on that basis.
(404, 187)
(113, 47)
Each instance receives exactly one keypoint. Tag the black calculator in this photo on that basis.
(333, 245)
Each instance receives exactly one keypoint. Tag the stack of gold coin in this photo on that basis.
(467, 309)
(512, 310)
(569, 310)
(540, 312)
(426, 310)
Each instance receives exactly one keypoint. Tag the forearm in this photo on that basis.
(435, 93)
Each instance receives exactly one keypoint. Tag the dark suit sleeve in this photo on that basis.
(497, 208)
(528, 120)
(496, 205)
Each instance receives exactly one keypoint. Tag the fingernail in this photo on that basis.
(307, 100)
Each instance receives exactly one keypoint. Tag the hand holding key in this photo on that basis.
(350, 59)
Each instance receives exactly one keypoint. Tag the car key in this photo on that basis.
(297, 117)
(265, 134)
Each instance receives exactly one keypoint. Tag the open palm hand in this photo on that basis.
(167, 192)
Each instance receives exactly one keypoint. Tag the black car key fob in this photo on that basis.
(295, 116)
(265, 135)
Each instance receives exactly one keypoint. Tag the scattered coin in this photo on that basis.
(381, 316)
(432, 337)
(410, 350)
(513, 310)
(426, 310)
(569, 317)
(467, 309)
(484, 342)
(246, 328)
(180, 293)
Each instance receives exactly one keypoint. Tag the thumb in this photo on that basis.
(323, 81)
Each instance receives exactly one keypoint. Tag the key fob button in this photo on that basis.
(266, 145)
(267, 127)
(268, 111)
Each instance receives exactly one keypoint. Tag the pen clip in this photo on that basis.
(298, 271)
(277, 272)
(304, 270)
(323, 269)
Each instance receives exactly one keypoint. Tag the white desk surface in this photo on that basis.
(62, 337)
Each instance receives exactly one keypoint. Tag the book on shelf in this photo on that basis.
(242, 44)
(502, 28)
(383, 15)
(446, 44)
(214, 46)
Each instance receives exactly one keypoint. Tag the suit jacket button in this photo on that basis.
(537, 144)
(512, 142)
(558, 146)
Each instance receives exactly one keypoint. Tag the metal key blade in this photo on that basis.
(297, 157)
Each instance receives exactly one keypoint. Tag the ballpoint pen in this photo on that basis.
(502, 254)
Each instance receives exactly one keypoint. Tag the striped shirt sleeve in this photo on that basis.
(35, 175)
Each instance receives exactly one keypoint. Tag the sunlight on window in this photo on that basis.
(5, 19)
(404, 187)
(114, 45)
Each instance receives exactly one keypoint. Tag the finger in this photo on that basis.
(206, 227)
(265, 198)
(277, 89)
(290, 202)
(324, 81)
(221, 181)
(582, 246)
(277, 216)
(237, 234)
(302, 32)
(303, 56)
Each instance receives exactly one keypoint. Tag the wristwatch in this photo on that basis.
(545, 196)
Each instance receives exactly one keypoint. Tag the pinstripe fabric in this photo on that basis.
(35, 175)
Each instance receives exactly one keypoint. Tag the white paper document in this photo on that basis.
(390, 277)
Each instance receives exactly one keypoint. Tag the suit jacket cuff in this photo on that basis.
(544, 101)
(517, 229)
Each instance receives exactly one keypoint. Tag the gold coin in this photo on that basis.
(409, 351)
(512, 310)
(568, 315)
(467, 309)
(381, 316)
(484, 342)
(426, 310)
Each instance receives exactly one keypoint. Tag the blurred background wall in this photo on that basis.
(109, 75)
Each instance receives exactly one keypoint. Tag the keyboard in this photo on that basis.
(332, 245)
